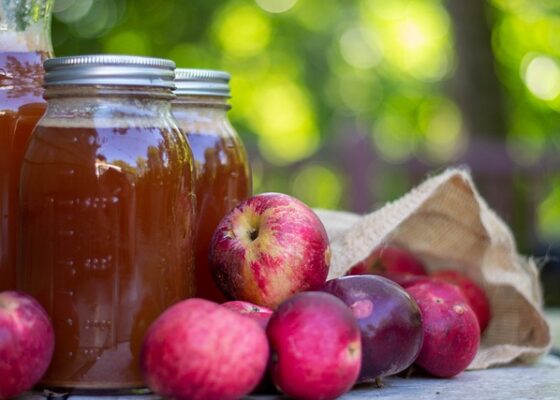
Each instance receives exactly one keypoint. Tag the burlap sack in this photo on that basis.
(446, 223)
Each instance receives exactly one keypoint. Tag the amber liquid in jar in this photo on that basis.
(107, 217)
(223, 176)
(21, 106)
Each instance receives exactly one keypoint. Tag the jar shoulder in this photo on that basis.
(156, 146)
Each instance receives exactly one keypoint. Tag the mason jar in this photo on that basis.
(25, 42)
(223, 174)
(107, 214)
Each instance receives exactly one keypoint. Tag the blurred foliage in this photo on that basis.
(303, 70)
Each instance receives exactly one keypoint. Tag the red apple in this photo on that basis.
(257, 313)
(26, 343)
(475, 294)
(198, 349)
(406, 280)
(316, 346)
(262, 316)
(268, 248)
(451, 331)
(389, 261)
(389, 321)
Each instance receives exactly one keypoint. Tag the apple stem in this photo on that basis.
(407, 373)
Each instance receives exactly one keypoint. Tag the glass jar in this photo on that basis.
(223, 175)
(25, 42)
(107, 212)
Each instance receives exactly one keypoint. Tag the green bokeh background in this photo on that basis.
(347, 104)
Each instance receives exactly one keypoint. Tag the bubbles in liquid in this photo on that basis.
(66, 203)
(66, 233)
(98, 324)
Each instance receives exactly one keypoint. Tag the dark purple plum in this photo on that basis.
(389, 319)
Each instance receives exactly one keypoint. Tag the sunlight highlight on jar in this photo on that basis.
(542, 76)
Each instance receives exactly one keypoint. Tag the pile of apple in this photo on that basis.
(26, 343)
(287, 328)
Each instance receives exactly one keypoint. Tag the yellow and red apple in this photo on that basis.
(268, 248)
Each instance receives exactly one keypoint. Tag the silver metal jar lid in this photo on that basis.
(110, 70)
(201, 82)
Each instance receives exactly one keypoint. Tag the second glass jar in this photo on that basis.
(223, 174)
(107, 212)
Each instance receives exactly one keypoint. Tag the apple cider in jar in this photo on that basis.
(24, 45)
(107, 213)
(223, 176)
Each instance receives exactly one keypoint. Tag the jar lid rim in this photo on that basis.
(109, 69)
(202, 82)
(108, 59)
(196, 74)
